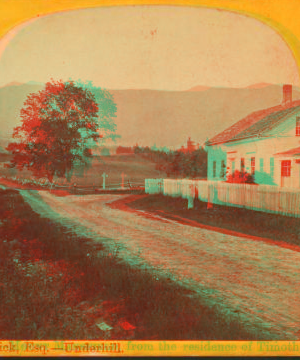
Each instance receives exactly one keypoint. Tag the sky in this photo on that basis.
(147, 47)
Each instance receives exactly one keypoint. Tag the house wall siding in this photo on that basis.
(279, 139)
(215, 154)
(262, 150)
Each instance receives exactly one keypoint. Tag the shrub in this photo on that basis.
(240, 177)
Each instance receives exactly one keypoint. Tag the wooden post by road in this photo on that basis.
(123, 175)
(104, 176)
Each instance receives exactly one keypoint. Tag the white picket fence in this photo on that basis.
(267, 198)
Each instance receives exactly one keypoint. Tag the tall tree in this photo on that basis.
(59, 126)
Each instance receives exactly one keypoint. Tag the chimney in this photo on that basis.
(287, 94)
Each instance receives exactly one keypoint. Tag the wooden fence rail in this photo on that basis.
(267, 198)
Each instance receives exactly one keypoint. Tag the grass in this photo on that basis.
(249, 222)
(133, 166)
(57, 285)
(4, 157)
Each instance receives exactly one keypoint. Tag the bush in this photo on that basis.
(177, 163)
(240, 177)
(25, 181)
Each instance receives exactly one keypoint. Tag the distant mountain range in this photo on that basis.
(164, 118)
(258, 86)
(199, 88)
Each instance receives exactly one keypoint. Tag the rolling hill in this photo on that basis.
(135, 168)
(164, 118)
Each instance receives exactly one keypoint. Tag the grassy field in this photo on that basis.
(57, 285)
(133, 166)
(226, 218)
(4, 157)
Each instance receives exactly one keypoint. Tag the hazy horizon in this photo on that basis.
(250, 86)
(166, 118)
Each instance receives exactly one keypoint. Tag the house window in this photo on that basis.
(214, 169)
(242, 164)
(253, 166)
(223, 169)
(298, 126)
(286, 168)
(233, 166)
(261, 165)
(272, 167)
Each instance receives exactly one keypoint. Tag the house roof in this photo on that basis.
(256, 124)
(291, 152)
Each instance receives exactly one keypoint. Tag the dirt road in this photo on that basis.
(255, 281)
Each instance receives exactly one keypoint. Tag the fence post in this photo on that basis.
(190, 202)
(191, 197)
(209, 202)
(160, 182)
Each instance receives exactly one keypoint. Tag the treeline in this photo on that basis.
(124, 150)
(176, 163)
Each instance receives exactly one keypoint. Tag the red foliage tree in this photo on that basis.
(59, 126)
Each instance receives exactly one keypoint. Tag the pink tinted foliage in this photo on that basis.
(59, 125)
(240, 177)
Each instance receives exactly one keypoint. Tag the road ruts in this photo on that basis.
(256, 281)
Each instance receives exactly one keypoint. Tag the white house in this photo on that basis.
(266, 144)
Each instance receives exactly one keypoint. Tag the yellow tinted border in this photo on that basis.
(149, 348)
(283, 16)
